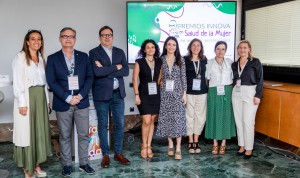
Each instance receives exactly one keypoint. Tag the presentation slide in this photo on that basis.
(208, 21)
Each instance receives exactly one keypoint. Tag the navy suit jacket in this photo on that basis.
(104, 76)
(57, 78)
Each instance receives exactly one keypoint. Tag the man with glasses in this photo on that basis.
(70, 77)
(110, 66)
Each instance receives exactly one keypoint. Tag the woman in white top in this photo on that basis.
(31, 134)
(220, 123)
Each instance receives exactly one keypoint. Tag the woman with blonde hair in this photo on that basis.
(246, 95)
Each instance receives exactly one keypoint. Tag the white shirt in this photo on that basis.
(219, 74)
(69, 63)
(109, 53)
(36, 77)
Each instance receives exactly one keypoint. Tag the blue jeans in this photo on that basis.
(116, 105)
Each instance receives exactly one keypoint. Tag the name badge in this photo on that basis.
(196, 84)
(152, 88)
(220, 90)
(238, 82)
(238, 85)
(73, 82)
(169, 85)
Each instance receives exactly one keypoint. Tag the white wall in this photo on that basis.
(18, 16)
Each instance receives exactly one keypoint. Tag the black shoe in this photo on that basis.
(197, 147)
(191, 148)
(247, 156)
(87, 169)
(240, 153)
(66, 172)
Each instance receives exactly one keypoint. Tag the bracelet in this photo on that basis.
(136, 94)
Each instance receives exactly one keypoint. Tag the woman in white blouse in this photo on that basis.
(220, 123)
(31, 134)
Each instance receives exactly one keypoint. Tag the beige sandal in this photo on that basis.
(222, 150)
(149, 152)
(178, 155)
(143, 151)
(170, 151)
(214, 150)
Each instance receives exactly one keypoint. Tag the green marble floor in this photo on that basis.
(264, 163)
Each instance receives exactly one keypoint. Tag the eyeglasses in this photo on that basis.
(71, 70)
(106, 35)
(71, 37)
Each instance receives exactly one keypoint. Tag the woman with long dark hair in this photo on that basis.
(172, 122)
(31, 134)
(196, 95)
(147, 94)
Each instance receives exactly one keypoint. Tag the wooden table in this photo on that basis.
(278, 115)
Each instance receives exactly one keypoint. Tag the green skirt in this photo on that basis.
(220, 122)
(40, 141)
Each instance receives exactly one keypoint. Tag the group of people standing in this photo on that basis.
(184, 93)
(190, 92)
(70, 74)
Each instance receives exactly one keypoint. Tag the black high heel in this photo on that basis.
(247, 156)
(240, 153)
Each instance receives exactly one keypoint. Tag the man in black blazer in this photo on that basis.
(70, 77)
(109, 66)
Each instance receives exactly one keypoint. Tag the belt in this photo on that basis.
(37, 86)
(116, 90)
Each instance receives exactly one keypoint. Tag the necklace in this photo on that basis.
(150, 61)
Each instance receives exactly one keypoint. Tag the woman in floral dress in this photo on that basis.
(172, 121)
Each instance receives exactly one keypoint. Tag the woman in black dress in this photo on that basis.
(147, 96)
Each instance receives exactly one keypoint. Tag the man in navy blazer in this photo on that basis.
(70, 77)
(109, 66)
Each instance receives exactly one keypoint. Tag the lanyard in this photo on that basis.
(71, 69)
(221, 68)
(241, 71)
(152, 73)
(197, 68)
(151, 68)
(170, 69)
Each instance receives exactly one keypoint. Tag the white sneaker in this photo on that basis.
(40, 173)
